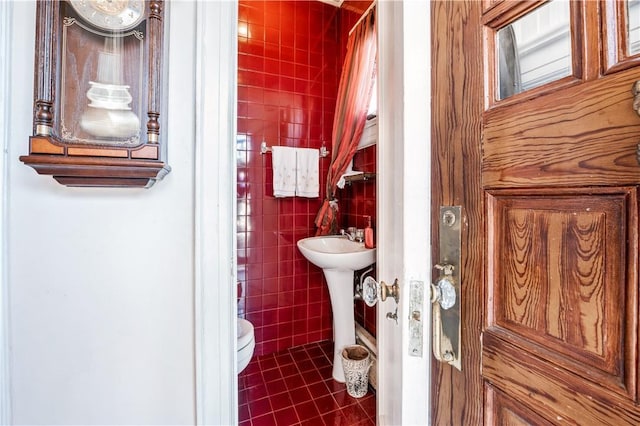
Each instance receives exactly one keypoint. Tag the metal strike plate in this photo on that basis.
(416, 296)
(445, 295)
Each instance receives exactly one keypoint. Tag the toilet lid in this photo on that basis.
(245, 333)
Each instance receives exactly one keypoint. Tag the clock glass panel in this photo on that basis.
(102, 81)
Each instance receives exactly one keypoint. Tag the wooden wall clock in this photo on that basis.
(97, 97)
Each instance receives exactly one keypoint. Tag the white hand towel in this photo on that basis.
(284, 171)
(347, 173)
(308, 171)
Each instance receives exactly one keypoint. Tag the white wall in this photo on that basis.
(100, 281)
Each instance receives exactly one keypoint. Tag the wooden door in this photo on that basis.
(548, 182)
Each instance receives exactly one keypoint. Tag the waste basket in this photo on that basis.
(356, 362)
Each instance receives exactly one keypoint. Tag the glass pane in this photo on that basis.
(535, 49)
(633, 14)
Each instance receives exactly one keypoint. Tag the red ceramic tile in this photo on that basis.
(270, 239)
(284, 359)
(267, 347)
(256, 392)
(270, 332)
(294, 382)
(319, 361)
(252, 368)
(326, 404)
(272, 15)
(334, 418)
(326, 372)
(254, 271)
(270, 270)
(343, 399)
(286, 252)
(312, 376)
(269, 317)
(286, 371)
(260, 407)
(286, 417)
(281, 401)
(287, 69)
(253, 304)
(287, 53)
(265, 420)
(307, 411)
(285, 268)
(334, 386)
(267, 362)
(243, 413)
(271, 50)
(314, 351)
(256, 30)
(284, 342)
(285, 301)
(318, 390)
(354, 414)
(276, 387)
(269, 285)
(287, 38)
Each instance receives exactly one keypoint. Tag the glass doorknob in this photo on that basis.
(444, 292)
(371, 288)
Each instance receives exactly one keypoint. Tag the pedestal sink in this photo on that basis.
(339, 258)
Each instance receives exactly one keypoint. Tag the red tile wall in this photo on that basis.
(289, 61)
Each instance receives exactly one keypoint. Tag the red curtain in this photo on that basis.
(354, 95)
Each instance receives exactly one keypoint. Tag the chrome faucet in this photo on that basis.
(350, 235)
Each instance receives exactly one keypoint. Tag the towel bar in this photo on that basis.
(264, 149)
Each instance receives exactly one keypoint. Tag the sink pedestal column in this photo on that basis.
(340, 283)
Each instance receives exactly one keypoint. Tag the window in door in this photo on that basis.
(534, 49)
(633, 23)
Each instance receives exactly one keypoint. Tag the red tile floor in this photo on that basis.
(294, 387)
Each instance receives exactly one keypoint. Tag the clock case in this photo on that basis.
(73, 162)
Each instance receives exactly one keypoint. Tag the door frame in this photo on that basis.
(403, 205)
(6, 34)
(216, 311)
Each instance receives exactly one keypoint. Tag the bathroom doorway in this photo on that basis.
(289, 62)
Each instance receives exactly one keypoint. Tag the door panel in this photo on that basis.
(558, 282)
(552, 393)
(581, 135)
(505, 411)
(557, 204)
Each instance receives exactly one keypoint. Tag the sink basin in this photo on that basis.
(336, 252)
(339, 258)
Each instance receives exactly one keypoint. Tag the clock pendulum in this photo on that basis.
(108, 114)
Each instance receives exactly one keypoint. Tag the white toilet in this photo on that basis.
(246, 343)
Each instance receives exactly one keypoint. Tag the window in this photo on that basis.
(535, 49)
